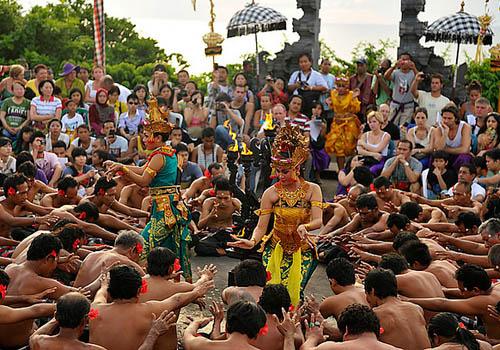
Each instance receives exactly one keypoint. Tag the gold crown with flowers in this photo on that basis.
(342, 80)
(157, 120)
(290, 148)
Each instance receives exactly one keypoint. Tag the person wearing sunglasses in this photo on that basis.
(130, 120)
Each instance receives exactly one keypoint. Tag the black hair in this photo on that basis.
(181, 148)
(90, 210)
(71, 310)
(494, 255)
(398, 220)
(124, 282)
(382, 282)
(208, 132)
(403, 237)
(223, 97)
(69, 234)
(366, 200)
(4, 278)
(411, 210)
(27, 169)
(159, 261)
(60, 144)
(215, 166)
(245, 317)
(250, 273)
(406, 53)
(102, 155)
(105, 184)
(472, 167)
(5, 141)
(394, 262)
(305, 54)
(42, 83)
(223, 184)
(67, 182)
(77, 152)
(37, 134)
(382, 181)
(473, 276)
(451, 108)
(468, 219)
(55, 120)
(440, 155)
(13, 181)
(170, 100)
(113, 89)
(223, 67)
(358, 319)
(446, 325)
(474, 85)
(493, 154)
(132, 96)
(71, 92)
(23, 157)
(363, 175)
(408, 142)
(296, 96)
(414, 251)
(342, 271)
(42, 246)
(274, 297)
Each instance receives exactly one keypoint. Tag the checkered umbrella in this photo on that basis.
(255, 18)
(460, 27)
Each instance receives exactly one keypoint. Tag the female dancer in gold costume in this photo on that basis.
(288, 251)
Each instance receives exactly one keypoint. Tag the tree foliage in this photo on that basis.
(489, 80)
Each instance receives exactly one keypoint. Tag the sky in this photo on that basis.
(344, 23)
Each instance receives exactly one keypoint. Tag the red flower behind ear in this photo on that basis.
(119, 173)
(82, 216)
(3, 291)
(93, 314)
(61, 193)
(76, 244)
(53, 253)
(211, 192)
(381, 331)
(139, 248)
(144, 287)
(372, 187)
(268, 276)
(207, 174)
(11, 191)
(177, 265)
(461, 325)
(264, 330)
(101, 192)
(291, 308)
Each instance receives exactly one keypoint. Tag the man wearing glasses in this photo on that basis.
(130, 120)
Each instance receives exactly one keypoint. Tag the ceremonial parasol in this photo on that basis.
(255, 18)
(460, 28)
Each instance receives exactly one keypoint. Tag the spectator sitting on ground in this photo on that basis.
(403, 170)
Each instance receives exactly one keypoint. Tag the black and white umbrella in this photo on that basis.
(460, 28)
(255, 18)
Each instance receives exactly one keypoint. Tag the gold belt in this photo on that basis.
(165, 190)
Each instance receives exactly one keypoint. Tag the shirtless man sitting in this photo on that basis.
(203, 183)
(368, 219)
(127, 250)
(476, 293)
(118, 300)
(133, 196)
(273, 300)
(15, 208)
(217, 218)
(360, 329)
(419, 258)
(67, 194)
(250, 277)
(244, 322)
(160, 267)
(342, 278)
(421, 213)
(403, 322)
(29, 170)
(387, 196)
(33, 276)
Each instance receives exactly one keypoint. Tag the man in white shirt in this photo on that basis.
(108, 82)
(118, 145)
(467, 173)
(433, 101)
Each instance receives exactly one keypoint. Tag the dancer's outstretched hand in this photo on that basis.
(241, 243)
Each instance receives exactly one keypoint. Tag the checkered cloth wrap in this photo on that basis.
(99, 33)
(460, 27)
(255, 18)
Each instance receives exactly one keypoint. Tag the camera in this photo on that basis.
(269, 78)
(381, 70)
(182, 94)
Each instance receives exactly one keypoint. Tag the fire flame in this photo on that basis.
(268, 123)
(234, 146)
(246, 151)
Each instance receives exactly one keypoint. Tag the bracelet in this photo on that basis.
(150, 171)
(307, 227)
(125, 170)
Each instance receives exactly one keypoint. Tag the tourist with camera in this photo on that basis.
(432, 101)
(223, 112)
(382, 87)
(276, 88)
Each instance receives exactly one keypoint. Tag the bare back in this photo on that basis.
(334, 305)
(419, 284)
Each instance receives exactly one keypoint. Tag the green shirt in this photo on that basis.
(15, 114)
(77, 83)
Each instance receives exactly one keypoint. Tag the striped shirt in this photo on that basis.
(46, 107)
(300, 120)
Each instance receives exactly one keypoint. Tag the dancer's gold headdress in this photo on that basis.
(342, 80)
(157, 121)
(290, 148)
